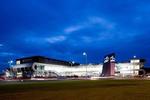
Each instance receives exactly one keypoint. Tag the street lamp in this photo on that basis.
(72, 63)
(10, 62)
(134, 56)
(85, 54)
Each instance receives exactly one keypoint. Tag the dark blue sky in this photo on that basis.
(63, 29)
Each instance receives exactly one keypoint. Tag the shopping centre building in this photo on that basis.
(43, 67)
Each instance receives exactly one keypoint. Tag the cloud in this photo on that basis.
(56, 39)
(102, 22)
(1, 45)
(6, 54)
(89, 23)
(73, 28)
(44, 40)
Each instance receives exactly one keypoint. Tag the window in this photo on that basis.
(40, 67)
(18, 62)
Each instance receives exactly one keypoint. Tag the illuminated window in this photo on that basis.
(40, 67)
(18, 62)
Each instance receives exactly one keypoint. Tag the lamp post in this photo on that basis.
(72, 63)
(134, 56)
(85, 54)
(10, 63)
(134, 65)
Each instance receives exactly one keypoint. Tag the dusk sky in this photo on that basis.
(64, 29)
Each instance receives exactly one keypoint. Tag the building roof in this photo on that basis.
(22, 65)
(42, 59)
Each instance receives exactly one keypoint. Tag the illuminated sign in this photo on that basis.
(109, 58)
(112, 59)
(106, 59)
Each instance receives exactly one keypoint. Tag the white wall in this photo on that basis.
(128, 69)
(94, 70)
